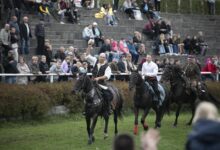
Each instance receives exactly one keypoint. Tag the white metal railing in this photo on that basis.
(51, 75)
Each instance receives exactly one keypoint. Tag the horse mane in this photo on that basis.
(136, 76)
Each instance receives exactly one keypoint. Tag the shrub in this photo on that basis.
(22, 101)
(35, 100)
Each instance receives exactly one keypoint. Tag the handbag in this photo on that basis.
(15, 45)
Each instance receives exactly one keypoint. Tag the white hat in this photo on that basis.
(95, 23)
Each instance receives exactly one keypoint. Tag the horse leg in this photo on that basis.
(106, 127)
(177, 114)
(136, 111)
(88, 122)
(145, 126)
(116, 122)
(193, 113)
(159, 115)
(91, 137)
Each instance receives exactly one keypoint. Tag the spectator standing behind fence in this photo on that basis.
(44, 68)
(48, 52)
(14, 43)
(34, 67)
(56, 68)
(10, 66)
(40, 34)
(65, 66)
(205, 134)
(211, 6)
(23, 69)
(25, 33)
(44, 11)
(5, 39)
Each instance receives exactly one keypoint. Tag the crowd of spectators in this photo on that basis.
(166, 42)
(122, 55)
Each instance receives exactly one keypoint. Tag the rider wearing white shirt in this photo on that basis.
(102, 72)
(149, 71)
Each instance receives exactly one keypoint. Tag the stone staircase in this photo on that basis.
(71, 34)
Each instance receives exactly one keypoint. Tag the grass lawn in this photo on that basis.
(69, 133)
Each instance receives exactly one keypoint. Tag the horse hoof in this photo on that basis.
(174, 126)
(145, 127)
(89, 142)
(135, 130)
(157, 126)
(93, 139)
(105, 136)
(188, 124)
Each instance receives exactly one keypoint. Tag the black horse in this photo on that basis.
(144, 99)
(96, 106)
(179, 93)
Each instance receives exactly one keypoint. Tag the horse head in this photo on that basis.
(135, 80)
(82, 84)
(167, 74)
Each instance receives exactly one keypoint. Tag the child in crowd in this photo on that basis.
(34, 67)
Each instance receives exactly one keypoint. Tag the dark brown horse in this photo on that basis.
(96, 106)
(144, 99)
(179, 93)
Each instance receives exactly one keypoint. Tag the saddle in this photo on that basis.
(101, 87)
(161, 90)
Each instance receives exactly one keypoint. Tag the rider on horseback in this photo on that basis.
(192, 73)
(149, 71)
(102, 72)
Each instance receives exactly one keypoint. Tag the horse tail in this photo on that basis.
(120, 106)
(167, 104)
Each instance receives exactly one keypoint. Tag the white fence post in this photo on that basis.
(51, 79)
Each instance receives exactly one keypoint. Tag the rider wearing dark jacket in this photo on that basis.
(192, 72)
(102, 72)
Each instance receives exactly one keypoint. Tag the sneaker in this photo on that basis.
(115, 11)
(61, 22)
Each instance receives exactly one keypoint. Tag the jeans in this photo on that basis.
(10, 79)
(45, 17)
(25, 46)
(211, 8)
(175, 49)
